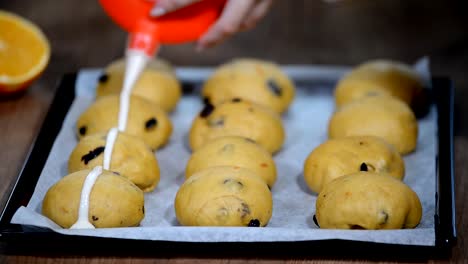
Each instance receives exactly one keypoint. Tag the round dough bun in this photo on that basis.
(338, 157)
(379, 77)
(224, 196)
(234, 151)
(157, 83)
(125, 209)
(130, 157)
(367, 200)
(259, 81)
(380, 116)
(145, 120)
(238, 118)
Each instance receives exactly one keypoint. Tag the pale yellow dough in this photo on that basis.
(131, 158)
(379, 77)
(114, 201)
(233, 151)
(367, 200)
(338, 157)
(145, 120)
(380, 116)
(157, 83)
(238, 118)
(259, 81)
(224, 196)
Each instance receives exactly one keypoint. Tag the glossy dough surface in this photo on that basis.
(233, 151)
(255, 80)
(238, 118)
(367, 200)
(379, 77)
(157, 83)
(145, 120)
(224, 196)
(131, 158)
(338, 157)
(114, 201)
(380, 116)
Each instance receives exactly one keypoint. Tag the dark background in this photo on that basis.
(295, 32)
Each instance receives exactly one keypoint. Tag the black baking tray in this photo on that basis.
(23, 239)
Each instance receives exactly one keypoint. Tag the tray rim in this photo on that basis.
(12, 235)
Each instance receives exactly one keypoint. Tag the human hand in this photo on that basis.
(237, 15)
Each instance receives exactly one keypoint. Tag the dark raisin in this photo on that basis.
(274, 87)
(254, 223)
(83, 130)
(361, 143)
(245, 210)
(143, 209)
(250, 140)
(236, 100)
(95, 218)
(315, 221)
(363, 167)
(150, 124)
(206, 100)
(92, 154)
(207, 110)
(356, 227)
(103, 78)
(384, 217)
(216, 122)
(233, 181)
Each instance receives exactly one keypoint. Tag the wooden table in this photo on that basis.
(300, 31)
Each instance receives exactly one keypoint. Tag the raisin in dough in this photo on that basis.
(124, 209)
(234, 151)
(157, 83)
(338, 157)
(145, 120)
(224, 196)
(256, 80)
(238, 118)
(131, 158)
(380, 77)
(381, 116)
(367, 200)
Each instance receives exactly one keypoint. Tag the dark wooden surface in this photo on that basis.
(299, 31)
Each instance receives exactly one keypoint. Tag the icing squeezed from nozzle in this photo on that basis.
(136, 62)
(83, 209)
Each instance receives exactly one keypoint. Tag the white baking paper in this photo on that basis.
(294, 205)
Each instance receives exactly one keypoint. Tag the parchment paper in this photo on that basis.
(293, 204)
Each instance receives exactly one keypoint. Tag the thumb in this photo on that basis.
(163, 7)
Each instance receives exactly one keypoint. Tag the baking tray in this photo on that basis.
(26, 239)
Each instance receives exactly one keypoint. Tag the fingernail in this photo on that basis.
(157, 11)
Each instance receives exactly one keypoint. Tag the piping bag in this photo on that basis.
(146, 33)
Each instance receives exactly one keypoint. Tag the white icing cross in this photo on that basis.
(83, 210)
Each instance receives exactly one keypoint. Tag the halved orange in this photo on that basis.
(24, 52)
